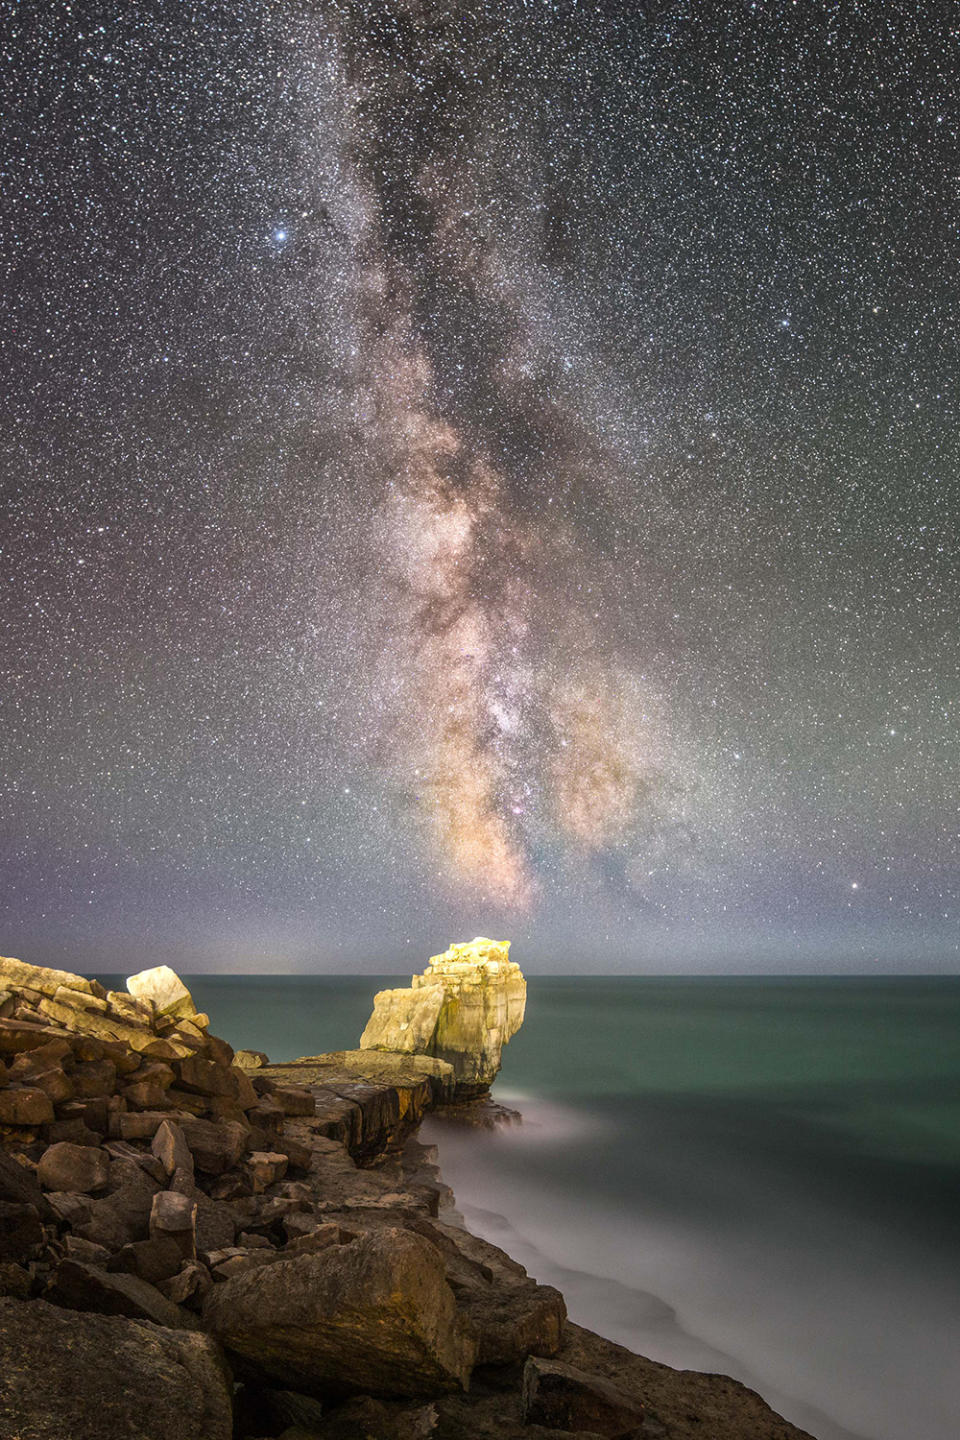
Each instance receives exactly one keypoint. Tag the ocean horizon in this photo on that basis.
(752, 1176)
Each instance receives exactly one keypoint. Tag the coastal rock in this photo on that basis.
(570, 1399)
(117, 1377)
(375, 1316)
(77, 1168)
(20, 1230)
(17, 975)
(464, 1008)
(164, 989)
(78, 1286)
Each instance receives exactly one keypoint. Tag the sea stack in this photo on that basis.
(463, 1009)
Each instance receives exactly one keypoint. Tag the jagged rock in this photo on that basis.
(367, 1417)
(375, 1316)
(192, 1281)
(77, 1286)
(170, 1147)
(77, 1168)
(463, 1009)
(174, 1217)
(293, 1099)
(20, 1185)
(266, 1168)
(167, 992)
(215, 1147)
(15, 1281)
(108, 1369)
(566, 1398)
(152, 1260)
(123, 1215)
(76, 1248)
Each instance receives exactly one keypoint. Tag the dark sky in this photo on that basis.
(480, 467)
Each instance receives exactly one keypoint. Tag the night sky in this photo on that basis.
(480, 468)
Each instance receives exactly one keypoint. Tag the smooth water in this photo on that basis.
(759, 1177)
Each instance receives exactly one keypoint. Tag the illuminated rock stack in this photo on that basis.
(463, 1009)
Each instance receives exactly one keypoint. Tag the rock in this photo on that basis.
(170, 1147)
(113, 1377)
(566, 1398)
(70, 1209)
(463, 1009)
(19, 1184)
(123, 1215)
(86, 1287)
(77, 1168)
(85, 1251)
(250, 1059)
(15, 1281)
(216, 1225)
(215, 1147)
(153, 1260)
(20, 1230)
(266, 1168)
(15, 975)
(164, 988)
(142, 1125)
(375, 1316)
(192, 1281)
(205, 1077)
(293, 1099)
(174, 1217)
(94, 1078)
(368, 1417)
(25, 1105)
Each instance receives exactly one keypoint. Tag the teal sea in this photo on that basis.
(759, 1177)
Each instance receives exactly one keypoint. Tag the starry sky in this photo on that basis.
(482, 467)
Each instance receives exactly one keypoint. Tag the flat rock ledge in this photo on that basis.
(197, 1245)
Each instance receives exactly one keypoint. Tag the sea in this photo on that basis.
(756, 1177)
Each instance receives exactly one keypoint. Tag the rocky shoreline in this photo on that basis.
(198, 1245)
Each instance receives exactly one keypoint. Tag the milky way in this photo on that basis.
(476, 466)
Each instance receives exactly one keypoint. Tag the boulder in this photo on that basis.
(114, 1377)
(152, 1260)
(19, 1184)
(463, 1009)
(164, 988)
(375, 1316)
(25, 1105)
(77, 1286)
(80, 1169)
(215, 1146)
(565, 1398)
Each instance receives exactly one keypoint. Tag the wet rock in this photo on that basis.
(463, 1009)
(567, 1398)
(77, 1168)
(374, 1316)
(114, 1377)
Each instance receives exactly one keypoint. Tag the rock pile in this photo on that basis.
(190, 1250)
(463, 1009)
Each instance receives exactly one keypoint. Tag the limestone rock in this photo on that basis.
(107, 1370)
(16, 975)
(375, 1316)
(165, 989)
(463, 1009)
(77, 1168)
(570, 1399)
